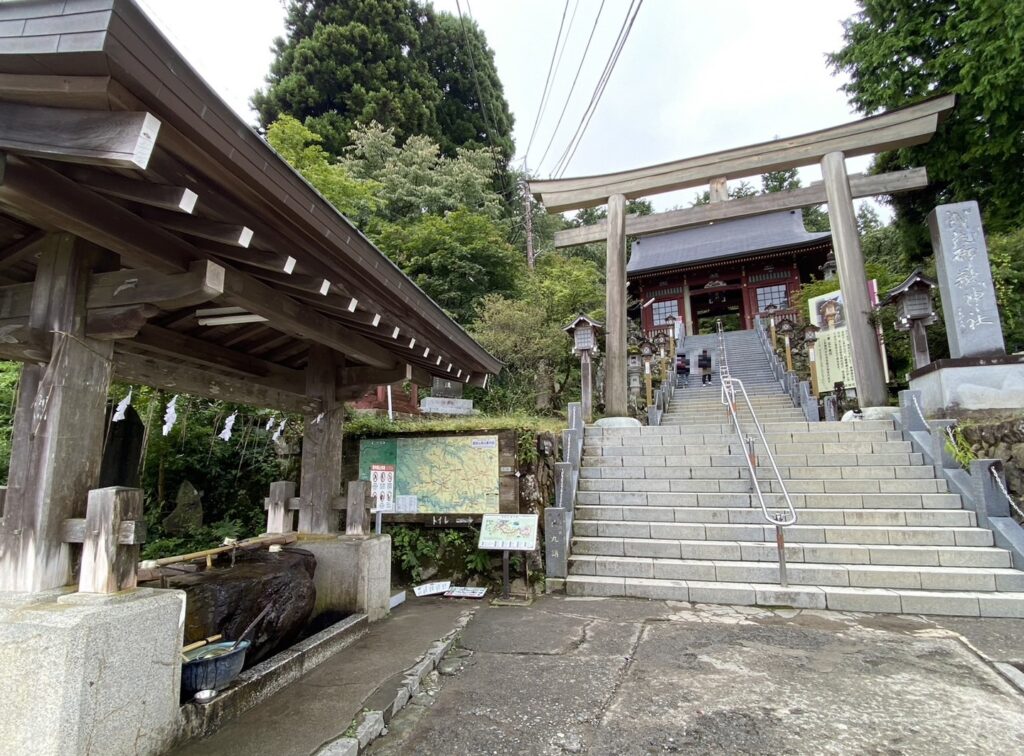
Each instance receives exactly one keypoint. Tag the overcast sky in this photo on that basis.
(693, 77)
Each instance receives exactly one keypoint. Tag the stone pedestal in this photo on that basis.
(970, 384)
(84, 673)
(353, 573)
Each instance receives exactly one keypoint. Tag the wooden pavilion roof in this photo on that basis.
(227, 263)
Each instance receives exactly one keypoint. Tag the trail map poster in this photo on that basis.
(508, 532)
(439, 475)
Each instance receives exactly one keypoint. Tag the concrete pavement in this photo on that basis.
(622, 676)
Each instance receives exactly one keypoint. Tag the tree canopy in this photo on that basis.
(897, 53)
(416, 71)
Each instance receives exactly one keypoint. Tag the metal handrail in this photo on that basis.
(779, 518)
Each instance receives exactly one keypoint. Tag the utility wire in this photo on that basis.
(595, 99)
(509, 194)
(573, 87)
(547, 80)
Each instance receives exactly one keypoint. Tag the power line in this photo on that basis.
(595, 99)
(573, 87)
(547, 80)
(508, 193)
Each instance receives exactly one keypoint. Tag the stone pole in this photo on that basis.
(615, 399)
(586, 387)
(867, 362)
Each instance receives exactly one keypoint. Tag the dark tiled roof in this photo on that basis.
(721, 240)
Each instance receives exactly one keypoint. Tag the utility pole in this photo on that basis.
(528, 213)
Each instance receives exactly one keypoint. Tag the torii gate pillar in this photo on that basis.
(867, 360)
(615, 393)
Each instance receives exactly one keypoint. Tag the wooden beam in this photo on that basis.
(21, 250)
(86, 92)
(794, 199)
(173, 376)
(203, 283)
(173, 344)
(93, 137)
(897, 128)
(45, 195)
(287, 315)
(177, 199)
(224, 233)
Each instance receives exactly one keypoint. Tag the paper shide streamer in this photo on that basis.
(122, 407)
(225, 435)
(170, 414)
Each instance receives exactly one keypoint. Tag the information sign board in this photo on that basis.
(508, 532)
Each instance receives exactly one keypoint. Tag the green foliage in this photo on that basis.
(301, 147)
(10, 374)
(959, 447)
(371, 426)
(349, 63)
(416, 179)
(454, 49)
(898, 53)
(346, 63)
(1006, 257)
(452, 551)
(526, 334)
(458, 259)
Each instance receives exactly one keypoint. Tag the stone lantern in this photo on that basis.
(584, 332)
(914, 311)
(661, 343)
(810, 334)
(787, 327)
(647, 352)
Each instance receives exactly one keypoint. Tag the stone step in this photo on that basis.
(805, 573)
(820, 428)
(734, 455)
(764, 551)
(837, 598)
(679, 489)
(752, 515)
(698, 446)
(743, 499)
(861, 535)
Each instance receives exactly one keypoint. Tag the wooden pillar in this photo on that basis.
(718, 189)
(687, 311)
(867, 362)
(615, 385)
(320, 484)
(57, 438)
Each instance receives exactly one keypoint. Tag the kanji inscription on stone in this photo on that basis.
(965, 281)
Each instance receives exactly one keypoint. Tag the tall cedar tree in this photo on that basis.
(897, 53)
(397, 62)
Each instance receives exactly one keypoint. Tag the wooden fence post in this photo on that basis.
(280, 517)
(357, 519)
(114, 530)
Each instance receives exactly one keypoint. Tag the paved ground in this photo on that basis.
(321, 705)
(620, 676)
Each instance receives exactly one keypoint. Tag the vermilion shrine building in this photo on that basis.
(734, 267)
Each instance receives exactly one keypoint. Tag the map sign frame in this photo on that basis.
(509, 532)
(445, 480)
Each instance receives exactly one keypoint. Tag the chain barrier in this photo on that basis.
(1002, 487)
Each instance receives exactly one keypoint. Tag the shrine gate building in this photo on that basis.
(731, 270)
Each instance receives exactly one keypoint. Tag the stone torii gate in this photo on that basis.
(829, 147)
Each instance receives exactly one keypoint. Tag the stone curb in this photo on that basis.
(370, 725)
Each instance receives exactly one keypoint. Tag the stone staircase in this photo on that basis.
(667, 512)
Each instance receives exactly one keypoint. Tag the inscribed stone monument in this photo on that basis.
(965, 281)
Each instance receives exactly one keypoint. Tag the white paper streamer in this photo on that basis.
(225, 435)
(122, 407)
(278, 432)
(269, 425)
(170, 414)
